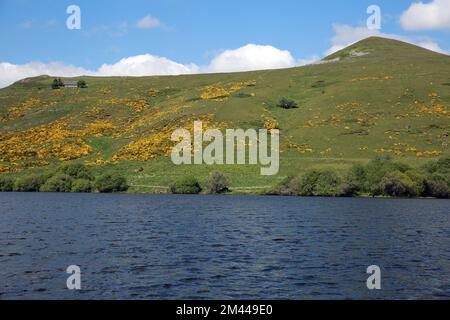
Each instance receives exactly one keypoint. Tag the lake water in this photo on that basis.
(230, 247)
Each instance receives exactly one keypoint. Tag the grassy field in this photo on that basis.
(377, 97)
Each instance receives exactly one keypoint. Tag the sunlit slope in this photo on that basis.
(376, 97)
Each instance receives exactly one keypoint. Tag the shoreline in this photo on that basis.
(231, 194)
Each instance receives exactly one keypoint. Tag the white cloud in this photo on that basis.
(148, 22)
(141, 65)
(434, 15)
(345, 35)
(144, 65)
(251, 57)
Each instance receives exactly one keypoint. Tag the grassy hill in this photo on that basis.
(375, 97)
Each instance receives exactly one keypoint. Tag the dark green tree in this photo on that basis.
(30, 183)
(81, 186)
(187, 185)
(81, 84)
(57, 183)
(110, 183)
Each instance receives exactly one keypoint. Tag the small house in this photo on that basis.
(70, 84)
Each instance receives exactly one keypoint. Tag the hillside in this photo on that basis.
(378, 96)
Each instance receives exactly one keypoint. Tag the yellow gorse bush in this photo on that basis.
(219, 92)
(158, 141)
(138, 105)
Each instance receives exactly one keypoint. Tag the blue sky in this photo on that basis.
(195, 32)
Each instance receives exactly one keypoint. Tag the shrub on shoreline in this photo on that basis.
(57, 183)
(437, 187)
(30, 183)
(81, 186)
(320, 183)
(188, 185)
(288, 187)
(6, 184)
(110, 183)
(217, 183)
(398, 184)
(76, 171)
(380, 177)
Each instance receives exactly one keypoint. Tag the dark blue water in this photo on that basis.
(169, 247)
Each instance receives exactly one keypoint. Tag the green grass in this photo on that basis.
(380, 112)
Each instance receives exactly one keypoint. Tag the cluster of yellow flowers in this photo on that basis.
(6, 169)
(215, 93)
(94, 112)
(270, 123)
(401, 148)
(220, 93)
(302, 148)
(104, 91)
(17, 167)
(52, 141)
(158, 141)
(428, 154)
(138, 105)
(435, 107)
(135, 125)
(64, 151)
(153, 93)
(99, 128)
(16, 112)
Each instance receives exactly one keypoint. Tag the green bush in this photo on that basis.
(81, 84)
(109, 183)
(81, 186)
(437, 186)
(419, 181)
(377, 169)
(188, 185)
(320, 183)
(6, 184)
(348, 188)
(380, 177)
(57, 183)
(398, 184)
(217, 183)
(30, 183)
(288, 187)
(57, 83)
(357, 176)
(287, 104)
(308, 182)
(76, 171)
